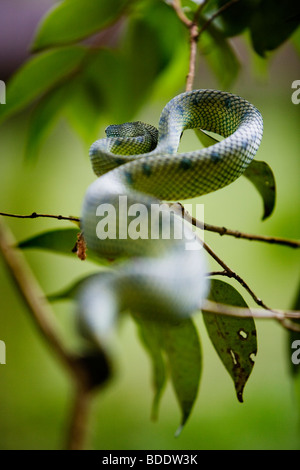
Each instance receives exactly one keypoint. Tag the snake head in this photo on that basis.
(128, 129)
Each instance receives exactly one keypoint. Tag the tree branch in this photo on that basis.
(231, 274)
(195, 32)
(230, 310)
(44, 319)
(235, 233)
(194, 35)
(192, 220)
(78, 426)
(176, 4)
(33, 296)
(216, 14)
(247, 236)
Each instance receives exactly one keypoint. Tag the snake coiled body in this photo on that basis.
(163, 278)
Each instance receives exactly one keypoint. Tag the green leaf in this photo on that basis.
(43, 118)
(145, 37)
(235, 19)
(272, 23)
(70, 292)
(183, 350)
(220, 56)
(180, 344)
(296, 40)
(261, 175)
(151, 337)
(205, 139)
(141, 40)
(59, 241)
(38, 75)
(85, 103)
(72, 20)
(148, 49)
(107, 93)
(233, 338)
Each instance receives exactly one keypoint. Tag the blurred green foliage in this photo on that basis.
(95, 63)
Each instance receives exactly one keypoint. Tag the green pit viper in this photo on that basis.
(161, 278)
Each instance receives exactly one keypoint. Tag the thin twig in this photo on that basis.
(247, 236)
(276, 314)
(195, 32)
(235, 233)
(231, 274)
(217, 273)
(35, 215)
(199, 11)
(216, 14)
(176, 4)
(230, 310)
(192, 26)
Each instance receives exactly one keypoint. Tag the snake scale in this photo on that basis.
(161, 278)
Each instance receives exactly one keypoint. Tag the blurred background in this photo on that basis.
(35, 395)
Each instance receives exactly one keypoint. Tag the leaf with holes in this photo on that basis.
(233, 338)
